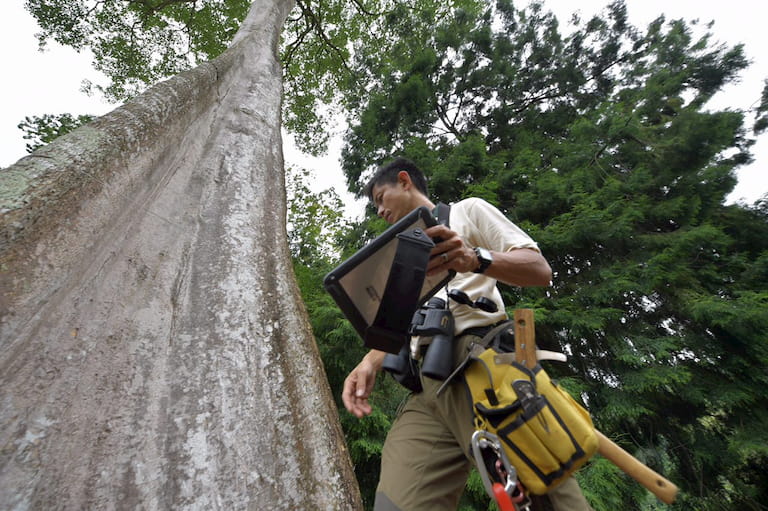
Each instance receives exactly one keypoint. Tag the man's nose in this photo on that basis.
(380, 211)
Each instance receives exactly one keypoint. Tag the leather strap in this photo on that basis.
(443, 214)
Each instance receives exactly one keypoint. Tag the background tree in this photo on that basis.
(44, 129)
(155, 353)
(600, 145)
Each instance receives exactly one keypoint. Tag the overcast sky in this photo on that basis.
(37, 83)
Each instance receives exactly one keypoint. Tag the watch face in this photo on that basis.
(484, 257)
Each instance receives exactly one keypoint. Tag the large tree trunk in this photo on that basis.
(155, 353)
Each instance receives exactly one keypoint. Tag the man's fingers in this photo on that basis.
(360, 389)
(437, 231)
(355, 394)
(348, 393)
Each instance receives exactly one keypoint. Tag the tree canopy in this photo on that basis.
(136, 43)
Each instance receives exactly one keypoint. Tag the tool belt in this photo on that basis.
(545, 433)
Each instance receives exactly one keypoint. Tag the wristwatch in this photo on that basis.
(485, 258)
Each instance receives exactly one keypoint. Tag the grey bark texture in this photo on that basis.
(154, 349)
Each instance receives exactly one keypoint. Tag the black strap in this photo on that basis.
(443, 214)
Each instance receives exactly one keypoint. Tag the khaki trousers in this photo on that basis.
(426, 457)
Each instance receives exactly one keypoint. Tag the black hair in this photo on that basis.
(387, 174)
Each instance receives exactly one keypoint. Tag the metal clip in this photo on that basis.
(488, 452)
(525, 504)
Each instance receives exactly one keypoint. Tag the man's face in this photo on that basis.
(392, 200)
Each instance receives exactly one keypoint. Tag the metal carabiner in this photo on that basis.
(489, 453)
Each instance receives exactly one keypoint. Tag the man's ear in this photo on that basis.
(404, 178)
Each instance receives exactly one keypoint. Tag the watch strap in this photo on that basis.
(484, 258)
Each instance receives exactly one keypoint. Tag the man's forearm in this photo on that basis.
(520, 267)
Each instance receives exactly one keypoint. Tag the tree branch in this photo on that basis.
(150, 9)
(315, 24)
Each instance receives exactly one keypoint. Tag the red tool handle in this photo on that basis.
(503, 500)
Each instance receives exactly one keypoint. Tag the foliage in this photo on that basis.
(475, 497)
(600, 145)
(761, 114)
(42, 130)
(136, 43)
(315, 221)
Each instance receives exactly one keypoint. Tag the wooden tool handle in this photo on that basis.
(664, 489)
(525, 353)
(525, 338)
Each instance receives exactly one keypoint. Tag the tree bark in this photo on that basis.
(154, 349)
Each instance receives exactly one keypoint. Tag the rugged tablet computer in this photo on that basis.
(382, 285)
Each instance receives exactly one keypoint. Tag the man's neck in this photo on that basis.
(426, 202)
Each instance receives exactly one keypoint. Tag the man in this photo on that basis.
(426, 459)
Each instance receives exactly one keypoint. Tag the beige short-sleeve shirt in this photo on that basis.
(481, 225)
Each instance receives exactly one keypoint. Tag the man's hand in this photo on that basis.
(518, 267)
(359, 384)
(452, 253)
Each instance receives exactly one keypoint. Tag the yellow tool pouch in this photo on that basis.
(545, 433)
